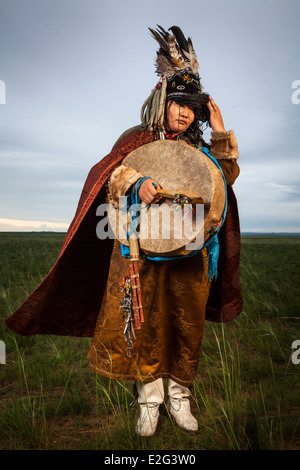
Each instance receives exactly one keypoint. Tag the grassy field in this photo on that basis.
(247, 391)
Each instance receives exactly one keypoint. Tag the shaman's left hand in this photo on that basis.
(216, 119)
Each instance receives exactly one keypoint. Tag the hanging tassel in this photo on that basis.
(126, 306)
(132, 298)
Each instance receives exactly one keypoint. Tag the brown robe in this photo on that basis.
(68, 300)
(174, 298)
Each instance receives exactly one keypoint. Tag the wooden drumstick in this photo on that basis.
(135, 306)
(138, 291)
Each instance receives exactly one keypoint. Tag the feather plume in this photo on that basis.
(164, 66)
(176, 53)
(161, 41)
(180, 38)
(191, 56)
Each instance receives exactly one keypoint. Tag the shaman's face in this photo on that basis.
(178, 118)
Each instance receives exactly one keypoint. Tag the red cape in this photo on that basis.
(68, 300)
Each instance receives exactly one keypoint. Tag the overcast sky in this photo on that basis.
(77, 72)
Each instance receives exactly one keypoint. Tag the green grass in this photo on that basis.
(246, 395)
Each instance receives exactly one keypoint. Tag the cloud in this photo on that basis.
(287, 192)
(14, 225)
(77, 74)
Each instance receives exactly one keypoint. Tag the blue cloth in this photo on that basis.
(212, 244)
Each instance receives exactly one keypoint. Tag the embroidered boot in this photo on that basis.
(151, 395)
(179, 406)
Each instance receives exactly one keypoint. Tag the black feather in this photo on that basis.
(180, 38)
(163, 32)
(161, 40)
(190, 42)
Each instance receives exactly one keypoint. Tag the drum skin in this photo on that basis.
(175, 165)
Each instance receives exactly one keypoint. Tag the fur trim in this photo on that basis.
(224, 145)
(120, 181)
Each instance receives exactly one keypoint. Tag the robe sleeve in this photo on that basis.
(224, 149)
(120, 181)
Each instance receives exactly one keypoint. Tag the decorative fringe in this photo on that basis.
(131, 303)
(126, 306)
(153, 109)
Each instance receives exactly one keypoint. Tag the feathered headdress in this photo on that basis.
(176, 54)
(177, 65)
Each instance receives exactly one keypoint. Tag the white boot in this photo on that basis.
(179, 406)
(151, 395)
